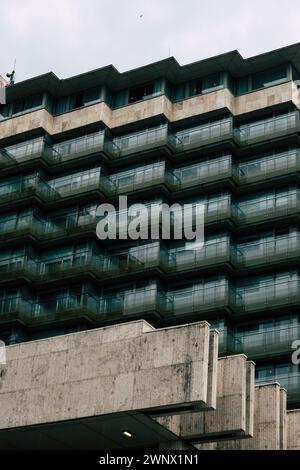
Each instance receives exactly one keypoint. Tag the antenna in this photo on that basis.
(11, 75)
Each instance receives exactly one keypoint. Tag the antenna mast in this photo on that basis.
(11, 75)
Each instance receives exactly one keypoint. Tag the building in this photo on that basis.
(223, 132)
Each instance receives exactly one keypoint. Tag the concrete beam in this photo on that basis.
(119, 368)
(293, 430)
(234, 410)
(269, 423)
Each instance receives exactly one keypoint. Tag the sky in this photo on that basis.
(69, 37)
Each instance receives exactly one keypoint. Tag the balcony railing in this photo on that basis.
(26, 187)
(205, 134)
(135, 303)
(269, 251)
(270, 342)
(74, 185)
(77, 263)
(255, 298)
(63, 307)
(19, 264)
(88, 144)
(204, 299)
(140, 178)
(270, 208)
(210, 255)
(271, 167)
(29, 150)
(28, 225)
(205, 172)
(14, 308)
(269, 128)
(143, 141)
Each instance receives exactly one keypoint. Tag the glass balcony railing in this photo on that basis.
(88, 144)
(29, 150)
(63, 307)
(72, 223)
(269, 208)
(205, 172)
(140, 178)
(269, 128)
(134, 303)
(271, 167)
(26, 187)
(142, 141)
(205, 134)
(253, 298)
(19, 264)
(77, 185)
(268, 251)
(14, 308)
(206, 298)
(77, 263)
(20, 226)
(211, 254)
(270, 342)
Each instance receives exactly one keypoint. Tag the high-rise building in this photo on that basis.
(223, 132)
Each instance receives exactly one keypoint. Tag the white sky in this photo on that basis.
(70, 37)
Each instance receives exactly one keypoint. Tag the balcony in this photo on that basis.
(204, 135)
(81, 263)
(265, 168)
(86, 145)
(15, 308)
(135, 303)
(204, 299)
(266, 129)
(141, 178)
(64, 307)
(75, 185)
(206, 172)
(271, 342)
(277, 295)
(17, 266)
(270, 208)
(143, 141)
(210, 255)
(27, 151)
(27, 187)
(269, 252)
(18, 227)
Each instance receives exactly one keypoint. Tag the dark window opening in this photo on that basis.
(196, 87)
(78, 100)
(139, 93)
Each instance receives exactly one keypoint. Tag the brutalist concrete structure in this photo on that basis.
(222, 132)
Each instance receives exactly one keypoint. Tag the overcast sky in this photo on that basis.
(69, 37)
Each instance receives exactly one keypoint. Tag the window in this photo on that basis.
(141, 92)
(28, 103)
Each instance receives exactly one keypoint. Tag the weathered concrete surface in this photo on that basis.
(157, 106)
(293, 429)
(234, 408)
(124, 367)
(269, 422)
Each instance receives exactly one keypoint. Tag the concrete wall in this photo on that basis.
(158, 106)
(269, 422)
(234, 409)
(119, 368)
(293, 430)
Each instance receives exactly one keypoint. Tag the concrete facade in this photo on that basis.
(116, 369)
(154, 107)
